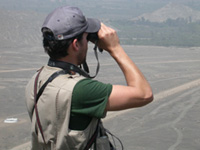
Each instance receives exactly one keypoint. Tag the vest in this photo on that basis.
(54, 111)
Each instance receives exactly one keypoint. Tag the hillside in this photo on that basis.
(171, 11)
(22, 20)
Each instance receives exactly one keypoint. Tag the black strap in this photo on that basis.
(68, 67)
(93, 137)
(113, 147)
(74, 68)
(85, 66)
(53, 76)
(37, 96)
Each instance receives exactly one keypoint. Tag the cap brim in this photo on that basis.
(93, 25)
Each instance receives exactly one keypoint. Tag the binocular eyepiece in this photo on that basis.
(93, 37)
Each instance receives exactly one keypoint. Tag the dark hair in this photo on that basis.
(56, 48)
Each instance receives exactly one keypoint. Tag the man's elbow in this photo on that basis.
(148, 98)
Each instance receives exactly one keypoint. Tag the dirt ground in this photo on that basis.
(171, 122)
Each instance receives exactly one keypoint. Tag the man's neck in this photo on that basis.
(68, 60)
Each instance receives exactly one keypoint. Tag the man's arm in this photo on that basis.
(138, 92)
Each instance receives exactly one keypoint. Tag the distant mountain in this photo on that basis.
(21, 20)
(171, 11)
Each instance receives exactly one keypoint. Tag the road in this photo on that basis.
(170, 122)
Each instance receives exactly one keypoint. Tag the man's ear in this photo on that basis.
(75, 44)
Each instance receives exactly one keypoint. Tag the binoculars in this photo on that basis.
(93, 37)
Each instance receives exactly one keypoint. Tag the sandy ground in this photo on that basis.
(171, 122)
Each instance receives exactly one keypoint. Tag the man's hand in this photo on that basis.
(108, 39)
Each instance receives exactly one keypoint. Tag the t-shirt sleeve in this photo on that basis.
(90, 98)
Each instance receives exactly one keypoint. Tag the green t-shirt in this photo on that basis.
(89, 100)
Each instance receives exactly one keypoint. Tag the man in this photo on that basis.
(67, 112)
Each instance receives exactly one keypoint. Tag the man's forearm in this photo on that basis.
(133, 75)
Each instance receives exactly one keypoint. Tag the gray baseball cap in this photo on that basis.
(67, 22)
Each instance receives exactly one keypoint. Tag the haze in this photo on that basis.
(136, 21)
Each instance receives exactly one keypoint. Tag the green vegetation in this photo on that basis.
(170, 33)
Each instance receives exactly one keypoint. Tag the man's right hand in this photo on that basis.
(108, 39)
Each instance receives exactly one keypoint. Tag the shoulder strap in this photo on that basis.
(36, 110)
(74, 68)
(37, 96)
(53, 76)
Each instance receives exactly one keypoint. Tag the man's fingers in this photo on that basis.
(108, 38)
